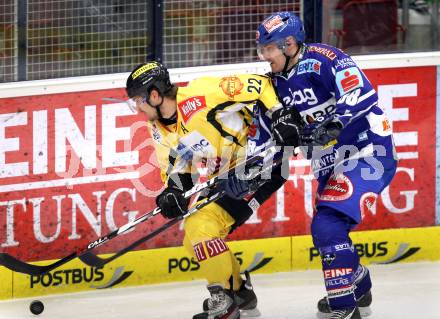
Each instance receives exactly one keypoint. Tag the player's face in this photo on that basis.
(142, 106)
(273, 54)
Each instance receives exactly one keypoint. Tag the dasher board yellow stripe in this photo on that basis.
(257, 255)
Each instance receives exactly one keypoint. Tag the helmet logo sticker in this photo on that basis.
(273, 23)
(145, 68)
(231, 86)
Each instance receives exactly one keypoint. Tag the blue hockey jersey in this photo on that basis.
(327, 82)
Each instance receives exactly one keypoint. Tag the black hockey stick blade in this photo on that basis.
(94, 260)
(17, 265)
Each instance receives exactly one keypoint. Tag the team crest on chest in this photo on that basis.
(231, 86)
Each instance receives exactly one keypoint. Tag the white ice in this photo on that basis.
(401, 291)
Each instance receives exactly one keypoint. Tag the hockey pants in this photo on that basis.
(205, 232)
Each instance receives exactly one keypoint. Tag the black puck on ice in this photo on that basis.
(36, 307)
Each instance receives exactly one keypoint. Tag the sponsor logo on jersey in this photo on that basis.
(349, 79)
(200, 146)
(344, 246)
(155, 133)
(196, 142)
(344, 63)
(343, 291)
(337, 272)
(367, 204)
(216, 247)
(323, 51)
(199, 252)
(253, 130)
(362, 136)
(338, 188)
(386, 125)
(273, 23)
(231, 86)
(191, 106)
(337, 282)
(309, 66)
(184, 152)
(299, 97)
(328, 258)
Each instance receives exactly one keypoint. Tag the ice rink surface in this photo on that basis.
(400, 291)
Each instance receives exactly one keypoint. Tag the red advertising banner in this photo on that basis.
(75, 166)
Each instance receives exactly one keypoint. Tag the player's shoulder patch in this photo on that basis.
(349, 79)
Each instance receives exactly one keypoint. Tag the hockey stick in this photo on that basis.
(23, 267)
(94, 260)
(91, 259)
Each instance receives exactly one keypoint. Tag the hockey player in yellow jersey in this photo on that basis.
(210, 118)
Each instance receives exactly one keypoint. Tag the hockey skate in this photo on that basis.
(346, 314)
(222, 304)
(245, 298)
(363, 303)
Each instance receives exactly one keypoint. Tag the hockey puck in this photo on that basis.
(36, 307)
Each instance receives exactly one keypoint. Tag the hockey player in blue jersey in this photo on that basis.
(349, 143)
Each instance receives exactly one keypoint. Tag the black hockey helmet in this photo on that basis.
(147, 76)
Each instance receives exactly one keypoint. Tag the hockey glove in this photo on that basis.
(238, 187)
(172, 202)
(285, 127)
(322, 131)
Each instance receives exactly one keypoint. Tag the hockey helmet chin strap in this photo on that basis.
(288, 58)
(165, 121)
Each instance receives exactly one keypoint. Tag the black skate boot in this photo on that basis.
(222, 304)
(346, 314)
(245, 298)
(363, 303)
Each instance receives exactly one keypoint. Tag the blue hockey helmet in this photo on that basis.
(278, 26)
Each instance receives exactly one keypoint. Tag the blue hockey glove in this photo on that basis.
(322, 131)
(286, 126)
(172, 202)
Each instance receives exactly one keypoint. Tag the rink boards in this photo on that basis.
(258, 256)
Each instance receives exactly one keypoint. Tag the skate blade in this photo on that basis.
(323, 315)
(364, 311)
(247, 313)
